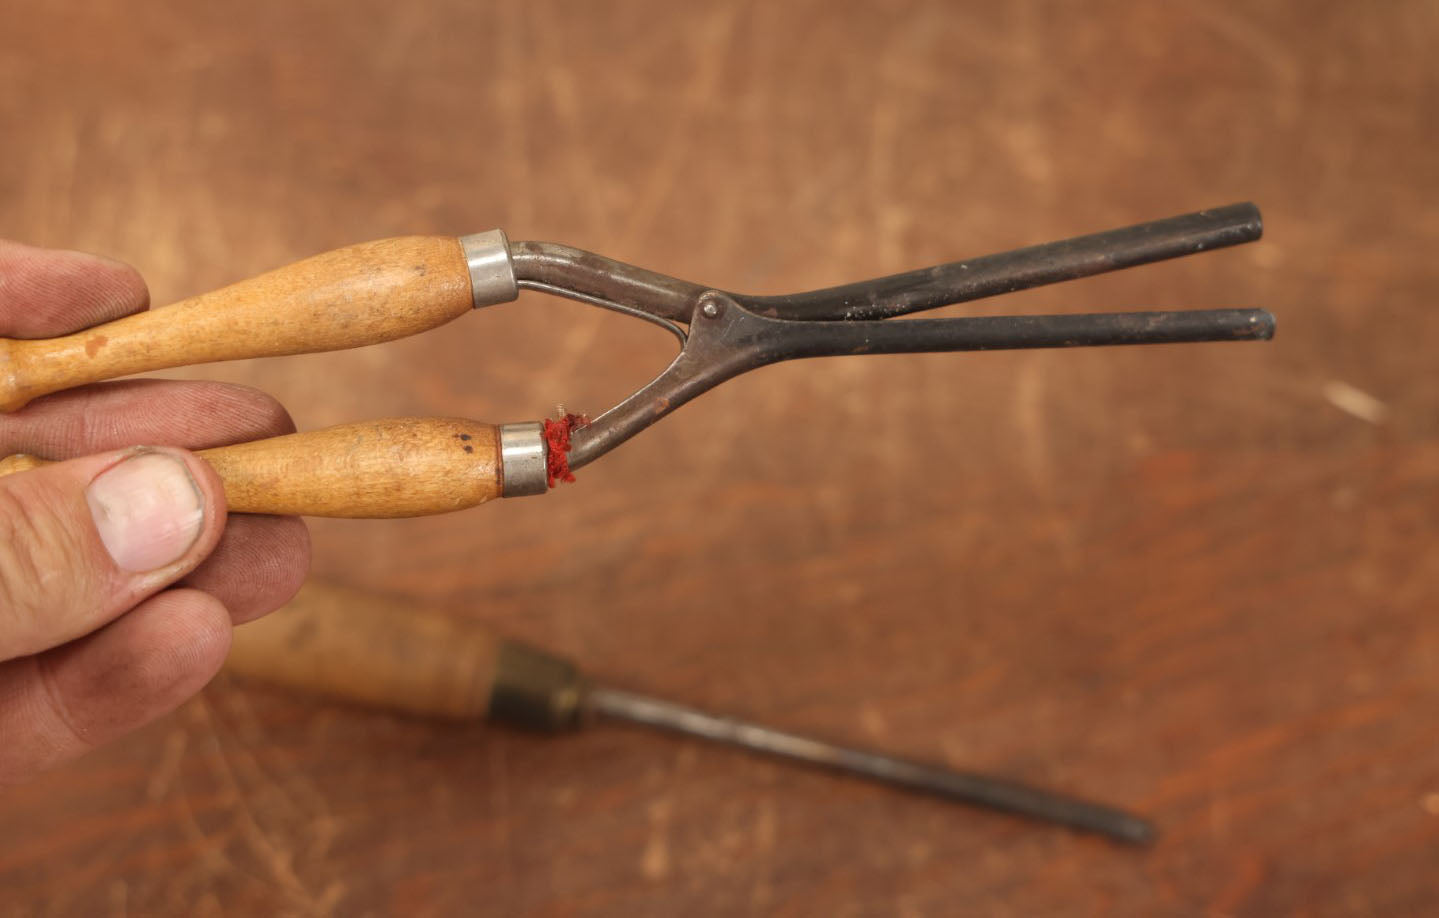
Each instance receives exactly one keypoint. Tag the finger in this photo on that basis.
(46, 292)
(63, 703)
(259, 561)
(258, 565)
(193, 415)
(84, 540)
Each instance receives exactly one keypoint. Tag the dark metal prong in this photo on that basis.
(726, 340)
(1020, 269)
(913, 291)
(966, 787)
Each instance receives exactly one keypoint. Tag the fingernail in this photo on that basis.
(148, 511)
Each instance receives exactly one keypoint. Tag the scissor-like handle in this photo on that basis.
(374, 469)
(379, 291)
(361, 294)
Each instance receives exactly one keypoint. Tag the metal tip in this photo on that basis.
(1264, 324)
(1135, 830)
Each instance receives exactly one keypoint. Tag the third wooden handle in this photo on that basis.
(375, 651)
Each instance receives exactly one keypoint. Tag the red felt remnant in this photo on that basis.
(557, 436)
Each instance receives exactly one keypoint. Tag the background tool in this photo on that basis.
(403, 657)
(384, 290)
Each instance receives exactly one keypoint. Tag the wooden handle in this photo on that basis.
(374, 470)
(373, 651)
(20, 462)
(361, 294)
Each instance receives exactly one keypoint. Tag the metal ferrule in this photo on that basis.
(523, 460)
(492, 270)
(535, 689)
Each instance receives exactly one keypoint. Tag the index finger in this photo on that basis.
(48, 292)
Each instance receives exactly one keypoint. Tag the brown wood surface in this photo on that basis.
(356, 295)
(380, 469)
(393, 467)
(372, 650)
(1200, 581)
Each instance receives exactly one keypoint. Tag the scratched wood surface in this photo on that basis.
(1201, 582)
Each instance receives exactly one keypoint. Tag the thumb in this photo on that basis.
(83, 541)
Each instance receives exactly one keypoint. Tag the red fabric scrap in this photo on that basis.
(557, 436)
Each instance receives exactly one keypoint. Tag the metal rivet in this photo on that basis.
(711, 310)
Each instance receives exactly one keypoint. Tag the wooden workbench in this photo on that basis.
(1199, 581)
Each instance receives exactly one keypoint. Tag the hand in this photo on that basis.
(119, 575)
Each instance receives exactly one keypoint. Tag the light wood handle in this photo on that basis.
(374, 470)
(380, 652)
(361, 294)
(20, 462)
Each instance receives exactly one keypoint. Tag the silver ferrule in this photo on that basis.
(523, 460)
(492, 271)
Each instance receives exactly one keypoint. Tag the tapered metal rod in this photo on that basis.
(1020, 269)
(991, 333)
(727, 341)
(979, 790)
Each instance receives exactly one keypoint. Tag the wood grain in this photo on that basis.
(384, 469)
(358, 295)
(370, 469)
(1197, 581)
(370, 650)
(20, 462)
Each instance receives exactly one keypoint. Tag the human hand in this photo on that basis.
(120, 576)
